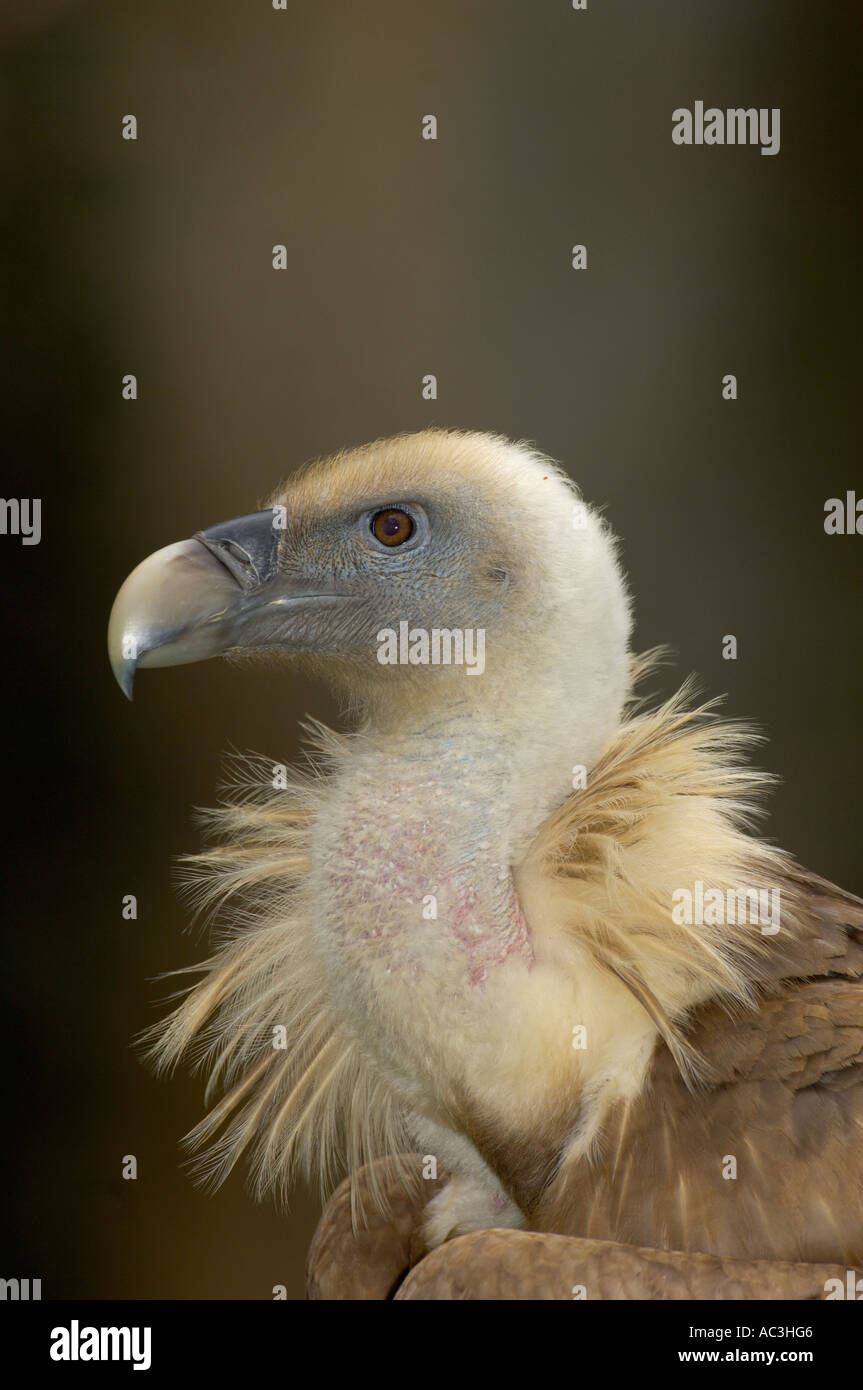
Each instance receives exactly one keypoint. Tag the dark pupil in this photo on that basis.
(392, 525)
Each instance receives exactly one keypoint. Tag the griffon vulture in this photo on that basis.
(513, 924)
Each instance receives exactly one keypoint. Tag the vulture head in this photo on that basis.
(465, 932)
(434, 533)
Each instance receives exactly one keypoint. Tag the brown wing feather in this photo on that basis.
(382, 1260)
(524, 1265)
(766, 1163)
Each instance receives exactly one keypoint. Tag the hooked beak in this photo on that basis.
(202, 597)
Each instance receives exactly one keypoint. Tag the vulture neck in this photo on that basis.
(415, 861)
(507, 744)
(429, 816)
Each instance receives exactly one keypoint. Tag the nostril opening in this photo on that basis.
(245, 545)
(239, 553)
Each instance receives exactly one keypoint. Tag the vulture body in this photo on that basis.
(513, 923)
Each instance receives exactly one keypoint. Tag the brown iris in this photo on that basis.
(392, 527)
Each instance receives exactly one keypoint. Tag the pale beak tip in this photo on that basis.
(124, 674)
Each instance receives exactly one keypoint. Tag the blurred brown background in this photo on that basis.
(405, 257)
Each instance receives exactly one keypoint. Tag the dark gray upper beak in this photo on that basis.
(247, 547)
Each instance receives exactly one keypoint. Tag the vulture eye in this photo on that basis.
(392, 527)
